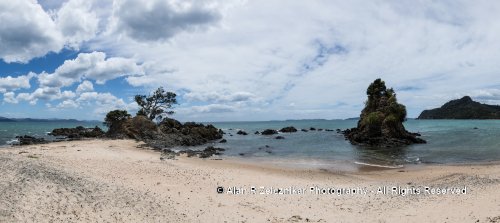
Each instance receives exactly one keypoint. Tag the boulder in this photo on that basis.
(304, 130)
(269, 132)
(279, 137)
(30, 140)
(241, 132)
(288, 129)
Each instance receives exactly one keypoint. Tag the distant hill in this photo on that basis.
(464, 108)
(3, 119)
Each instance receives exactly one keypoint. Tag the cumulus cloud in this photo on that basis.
(67, 104)
(93, 66)
(161, 19)
(43, 93)
(10, 97)
(77, 22)
(14, 83)
(27, 31)
(85, 86)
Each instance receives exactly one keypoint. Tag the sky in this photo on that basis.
(244, 60)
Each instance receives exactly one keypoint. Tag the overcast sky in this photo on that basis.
(244, 60)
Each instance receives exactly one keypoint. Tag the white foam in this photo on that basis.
(377, 165)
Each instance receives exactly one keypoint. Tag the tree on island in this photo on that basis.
(157, 105)
(115, 121)
(381, 121)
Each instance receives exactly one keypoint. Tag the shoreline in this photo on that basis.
(300, 163)
(117, 180)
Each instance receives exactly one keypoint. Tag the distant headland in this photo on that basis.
(464, 108)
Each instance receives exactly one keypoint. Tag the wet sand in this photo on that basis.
(117, 181)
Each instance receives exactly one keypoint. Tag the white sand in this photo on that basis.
(114, 181)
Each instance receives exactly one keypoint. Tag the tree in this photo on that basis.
(115, 118)
(157, 105)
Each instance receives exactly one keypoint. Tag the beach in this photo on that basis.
(123, 181)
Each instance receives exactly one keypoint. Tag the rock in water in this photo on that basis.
(241, 132)
(269, 132)
(288, 129)
(381, 121)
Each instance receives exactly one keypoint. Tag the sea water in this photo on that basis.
(39, 129)
(448, 141)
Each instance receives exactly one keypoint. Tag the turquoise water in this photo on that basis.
(9, 130)
(448, 141)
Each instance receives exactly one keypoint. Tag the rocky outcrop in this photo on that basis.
(207, 152)
(464, 108)
(172, 133)
(30, 140)
(78, 132)
(241, 132)
(269, 132)
(288, 129)
(381, 121)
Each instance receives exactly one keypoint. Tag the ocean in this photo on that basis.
(448, 142)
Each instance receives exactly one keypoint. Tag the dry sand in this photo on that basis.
(116, 181)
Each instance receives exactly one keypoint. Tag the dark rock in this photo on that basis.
(464, 108)
(279, 137)
(78, 132)
(329, 130)
(338, 130)
(304, 130)
(475, 128)
(257, 132)
(288, 129)
(30, 140)
(312, 129)
(381, 121)
(320, 129)
(241, 154)
(207, 152)
(172, 133)
(241, 132)
(223, 141)
(269, 132)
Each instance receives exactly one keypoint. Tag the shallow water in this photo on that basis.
(448, 142)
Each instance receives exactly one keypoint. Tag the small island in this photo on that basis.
(381, 121)
(463, 108)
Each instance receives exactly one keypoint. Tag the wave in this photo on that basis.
(378, 165)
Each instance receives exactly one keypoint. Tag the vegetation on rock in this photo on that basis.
(381, 121)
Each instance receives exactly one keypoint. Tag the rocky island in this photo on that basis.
(381, 121)
(463, 108)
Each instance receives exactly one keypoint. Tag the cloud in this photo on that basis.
(77, 22)
(67, 104)
(43, 93)
(14, 83)
(104, 102)
(158, 20)
(93, 66)
(27, 31)
(218, 97)
(10, 97)
(213, 108)
(85, 86)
